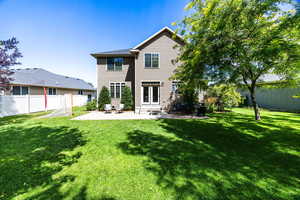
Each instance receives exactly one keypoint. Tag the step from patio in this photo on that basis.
(149, 110)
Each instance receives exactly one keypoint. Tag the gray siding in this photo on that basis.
(277, 98)
(164, 45)
(105, 77)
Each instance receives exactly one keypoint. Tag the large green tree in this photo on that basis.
(239, 41)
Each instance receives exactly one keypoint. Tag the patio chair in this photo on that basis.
(107, 108)
(120, 108)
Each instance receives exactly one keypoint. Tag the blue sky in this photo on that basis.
(59, 35)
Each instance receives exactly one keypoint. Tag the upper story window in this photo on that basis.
(151, 60)
(19, 90)
(80, 92)
(51, 91)
(114, 64)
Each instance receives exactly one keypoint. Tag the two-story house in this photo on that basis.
(145, 68)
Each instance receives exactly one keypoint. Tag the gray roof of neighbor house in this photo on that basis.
(41, 77)
(123, 52)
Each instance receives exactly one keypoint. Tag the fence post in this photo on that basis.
(28, 103)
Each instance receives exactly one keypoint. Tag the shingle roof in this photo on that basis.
(124, 52)
(41, 77)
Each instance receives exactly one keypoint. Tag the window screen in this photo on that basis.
(24, 91)
(155, 61)
(114, 64)
(16, 90)
(148, 60)
(110, 64)
(51, 91)
(118, 90)
(112, 90)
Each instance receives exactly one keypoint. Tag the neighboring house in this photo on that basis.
(145, 68)
(32, 81)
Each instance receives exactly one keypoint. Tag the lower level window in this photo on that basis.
(51, 91)
(116, 89)
(175, 87)
(19, 90)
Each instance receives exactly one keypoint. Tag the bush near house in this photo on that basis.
(127, 98)
(104, 98)
(222, 96)
(189, 97)
(92, 105)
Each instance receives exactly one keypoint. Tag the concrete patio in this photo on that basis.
(132, 116)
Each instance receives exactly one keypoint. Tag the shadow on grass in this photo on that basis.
(231, 157)
(31, 156)
(16, 119)
(82, 195)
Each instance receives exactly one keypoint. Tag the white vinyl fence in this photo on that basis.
(276, 98)
(14, 105)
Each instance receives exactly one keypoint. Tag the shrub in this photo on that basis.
(225, 96)
(104, 98)
(127, 98)
(92, 105)
(210, 103)
(190, 98)
(211, 108)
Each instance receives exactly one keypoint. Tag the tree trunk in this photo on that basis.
(254, 103)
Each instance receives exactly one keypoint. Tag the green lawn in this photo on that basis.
(229, 156)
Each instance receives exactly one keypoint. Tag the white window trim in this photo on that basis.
(21, 89)
(144, 60)
(116, 89)
(114, 65)
(155, 103)
(142, 97)
(52, 91)
(150, 93)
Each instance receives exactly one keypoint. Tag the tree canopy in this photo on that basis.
(239, 41)
(9, 53)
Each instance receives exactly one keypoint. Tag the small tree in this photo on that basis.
(9, 53)
(92, 105)
(104, 98)
(226, 96)
(189, 96)
(127, 98)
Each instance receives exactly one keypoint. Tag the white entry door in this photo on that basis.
(150, 95)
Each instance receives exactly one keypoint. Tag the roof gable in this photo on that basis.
(149, 39)
(131, 52)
